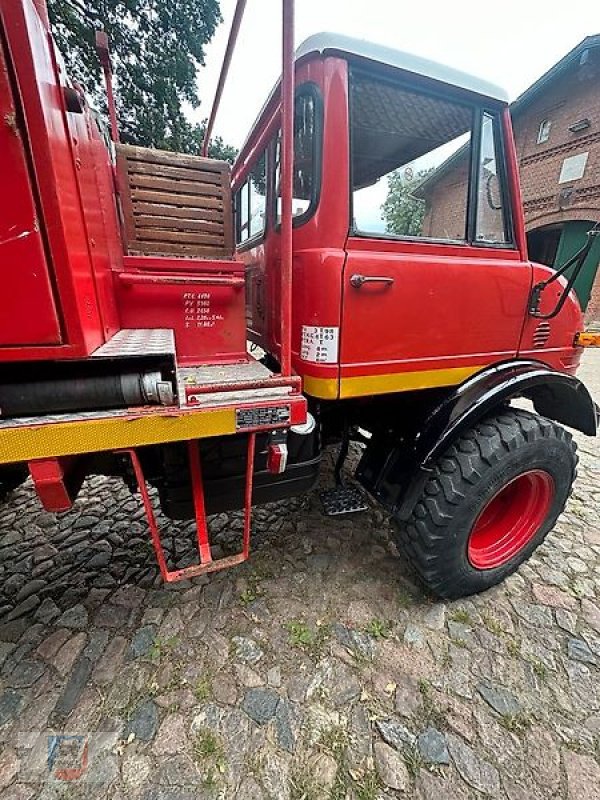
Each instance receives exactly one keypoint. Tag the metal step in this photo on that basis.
(343, 500)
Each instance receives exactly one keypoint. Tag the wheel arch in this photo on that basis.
(395, 473)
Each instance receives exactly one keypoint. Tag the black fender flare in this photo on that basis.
(395, 473)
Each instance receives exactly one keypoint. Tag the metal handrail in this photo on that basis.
(287, 161)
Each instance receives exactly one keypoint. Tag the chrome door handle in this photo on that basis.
(358, 280)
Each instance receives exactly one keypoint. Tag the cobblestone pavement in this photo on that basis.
(320, 669)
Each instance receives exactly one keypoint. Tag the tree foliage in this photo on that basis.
(156, 49)
(402, 210)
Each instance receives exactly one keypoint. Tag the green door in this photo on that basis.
(572, 239)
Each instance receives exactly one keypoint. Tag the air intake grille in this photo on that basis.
(542, 334)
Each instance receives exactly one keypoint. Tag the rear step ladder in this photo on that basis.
(206, 562)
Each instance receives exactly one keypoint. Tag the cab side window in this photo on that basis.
(251, 203)
(307, 125)
(491, 225)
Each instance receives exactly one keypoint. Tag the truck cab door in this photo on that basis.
(434, 287)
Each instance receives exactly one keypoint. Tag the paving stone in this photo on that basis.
(9, 767)
(247, 650)
(224, 689)
(432, 746)
(260, 704)
(391, 767)
(11, 703)
(551, 596)
(96, 645)
(435, 618)
(285, 726)
(110, 662)
(355, 641)
(247, 676)
(47, 611)
(72, 691)
(407, 698)
(142, 641)
(113, 616)
(567, 620)
(395, 733)
(23, 608)
(143, 722)
(543, 758)
(171, 737)
(535, 615)
(578, 650)
(583, 776)
(500, 699)
(478, 773)
(414, 636)
(26, 673)
(591, 614)
(75, 618)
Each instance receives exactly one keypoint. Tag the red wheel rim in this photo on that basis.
(510, 520)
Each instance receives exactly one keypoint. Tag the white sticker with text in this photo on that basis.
(319, 344)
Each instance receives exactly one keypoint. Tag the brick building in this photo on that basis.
(557, 132)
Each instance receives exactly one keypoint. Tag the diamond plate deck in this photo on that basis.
(244, 372)
(138, 342)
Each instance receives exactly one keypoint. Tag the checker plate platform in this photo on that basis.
(343, 500)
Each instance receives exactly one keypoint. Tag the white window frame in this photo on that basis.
(544, 131)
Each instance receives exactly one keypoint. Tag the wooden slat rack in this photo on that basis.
(174, 204)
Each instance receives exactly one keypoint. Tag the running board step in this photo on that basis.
(343, 500)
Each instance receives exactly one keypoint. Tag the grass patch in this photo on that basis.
(207, 750)
(302, 787)
(516, 723)
(335, 741)
(368, 787)
(310, 640)
(492, 624)
(540, 670)
(460, 615)
(379, 629)
(161, 648)
(513, 647)
(413, 760)
(405, 598)
(203, 689)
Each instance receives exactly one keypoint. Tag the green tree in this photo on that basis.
(156, 48)
(402, 210)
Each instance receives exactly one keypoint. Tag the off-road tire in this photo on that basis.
(473, 470)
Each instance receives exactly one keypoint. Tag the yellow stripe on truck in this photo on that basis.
(30, 442)
(364, 385)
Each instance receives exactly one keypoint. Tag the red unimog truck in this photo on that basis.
(134, 279)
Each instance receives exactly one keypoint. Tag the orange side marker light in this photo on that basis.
(587, 339)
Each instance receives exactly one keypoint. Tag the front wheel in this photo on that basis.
(490, 501)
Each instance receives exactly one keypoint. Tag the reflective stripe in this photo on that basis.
(364, 385)
(30, 442)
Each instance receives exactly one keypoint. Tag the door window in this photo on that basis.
(410, 161)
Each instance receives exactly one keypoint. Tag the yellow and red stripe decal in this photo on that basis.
(388, 383)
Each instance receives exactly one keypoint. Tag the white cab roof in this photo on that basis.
(334, 42)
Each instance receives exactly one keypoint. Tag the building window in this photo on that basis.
(410, 161)
(544, 131)
(251, 203)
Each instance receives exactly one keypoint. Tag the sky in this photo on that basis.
(510, 43)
